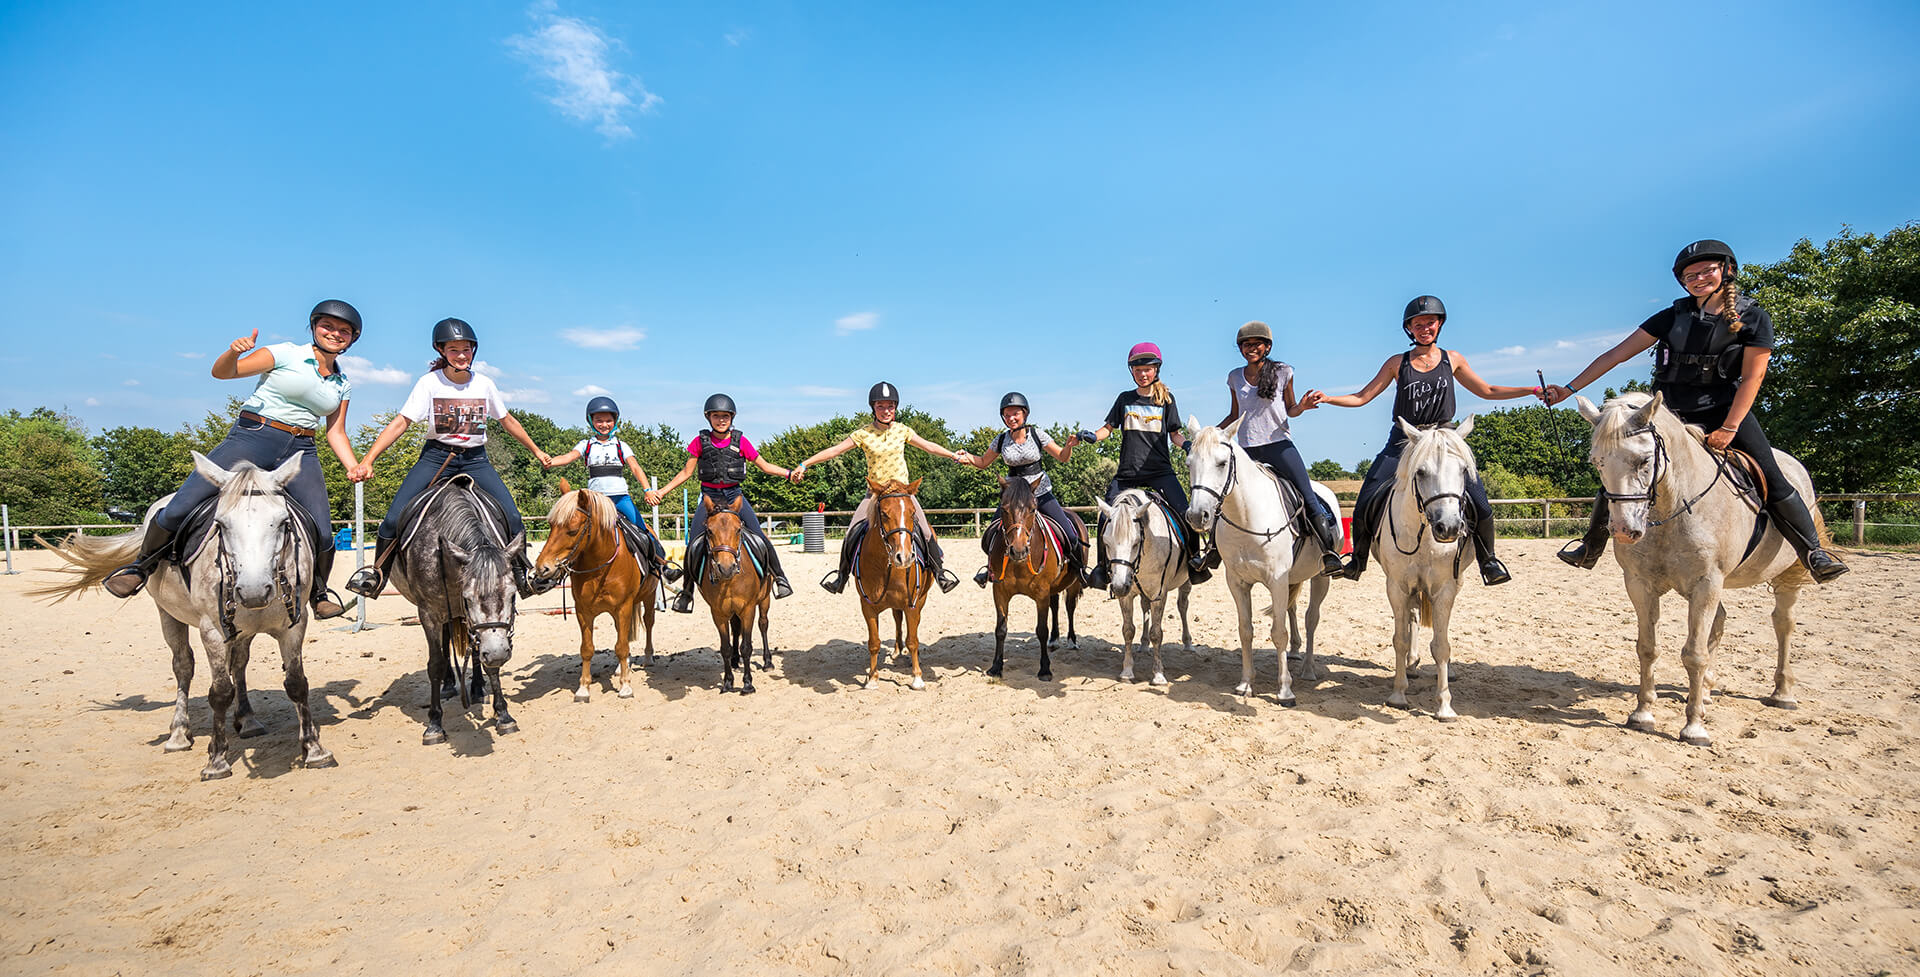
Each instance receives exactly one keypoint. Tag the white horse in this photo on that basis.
(1257, 533)
(1425, 544)
(1681, 527)
(1144, 562)
(248, 578)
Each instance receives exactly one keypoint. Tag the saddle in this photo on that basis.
(197, 528)
(638, 544)
(758, 547)
(1059, 536)
(1748, 480)
(494, 520)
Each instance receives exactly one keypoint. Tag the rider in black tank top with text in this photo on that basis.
(1422, 398)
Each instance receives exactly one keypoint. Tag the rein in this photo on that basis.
(1226, 489)
(1140, 523)
(1032, 526)
(565, 563)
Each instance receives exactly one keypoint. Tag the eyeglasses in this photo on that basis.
(1699, 276)
(1244, 343)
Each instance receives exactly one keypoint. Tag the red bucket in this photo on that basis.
(1346, 535)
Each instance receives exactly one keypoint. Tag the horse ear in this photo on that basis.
(1466, 427)
(1644, 416)
(461, 553)
(1003, 481)
(211, 470)
(913, 487)
(1412, 433)
(1659, 397)
(1193, 428)
(518, 542)
(286, 473)
(875, 487)
(1587, 410)
(1227, 432)
(734, 506)
(1106, 510)
(564, 487)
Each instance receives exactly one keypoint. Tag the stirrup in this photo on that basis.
(1493, 572)
(682, 602)
(985, 575)
(669, 572)
(834, 582)
(781, 588)
(117, 582)
(1330, 563)
(1198, 574)
(947, 580)
(326, 605)
(1352, 569)
(1580, 556)
(368, 582)
(1824, 569)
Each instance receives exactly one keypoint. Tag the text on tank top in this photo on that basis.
(1424, 397)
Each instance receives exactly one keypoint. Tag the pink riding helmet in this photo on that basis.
(1143, 354)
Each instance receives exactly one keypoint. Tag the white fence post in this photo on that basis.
(1859, 522)
(6, 535)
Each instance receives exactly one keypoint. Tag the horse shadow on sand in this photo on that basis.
(270, 745)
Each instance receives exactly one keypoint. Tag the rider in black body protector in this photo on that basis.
(1423, 380)
(1708, 371)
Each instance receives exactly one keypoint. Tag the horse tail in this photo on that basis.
(90, 560)
(1426, 611)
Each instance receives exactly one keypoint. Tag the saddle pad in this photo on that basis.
(1746, 477)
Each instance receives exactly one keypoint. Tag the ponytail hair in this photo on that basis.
(438, 365)
(1730, 296)
(1268, 386)
(1159, 394)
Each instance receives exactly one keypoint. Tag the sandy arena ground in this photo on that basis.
(1079, 826)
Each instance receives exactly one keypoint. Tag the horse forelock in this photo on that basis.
(1017, 496)
(1440, 443)
(1616, 420)
(248, 479)
(599, 508)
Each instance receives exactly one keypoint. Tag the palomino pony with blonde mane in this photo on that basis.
(1682, 525)
(607, 577)
(890, 576)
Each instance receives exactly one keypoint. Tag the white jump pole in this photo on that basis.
(6, 536)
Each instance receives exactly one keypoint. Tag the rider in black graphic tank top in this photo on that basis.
(1423, 380)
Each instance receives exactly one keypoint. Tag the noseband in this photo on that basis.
(1226, 489)
(565, 563)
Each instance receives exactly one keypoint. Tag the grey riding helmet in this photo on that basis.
(1015, 399)
(602, 405)
(1254, 330)
(719, 402)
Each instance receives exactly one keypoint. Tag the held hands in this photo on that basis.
(963, 457)
(1554, 394)
(240, 346)
(546, 460)
(652, 497)
(360, 472)
(1312, 399)
(794, 475)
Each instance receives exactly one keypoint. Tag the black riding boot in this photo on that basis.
(668, 571)
(696, 552)
(1492, 571)
(1585, 552)
(325, 604)
(521, 566)
(781, 586)
(1326, 528)
(836, 581)
(370, 580)
(937, 565)
(1197, 571)
(1095, 577)
(127, 581)
(985, 576)
(1795, 520)
(1362, 543)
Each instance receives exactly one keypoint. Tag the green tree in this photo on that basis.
(1326, 469)
(1842, 392)
(141, 464)
(1361, 467)
(49, 471)
(1536, 441)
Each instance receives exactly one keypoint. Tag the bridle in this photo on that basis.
(1140, 543)
(565, 563)
(1422, 502)
(1663, 464)
(1226, 489)
(886, 539)
(1029, 525)
(228, 578)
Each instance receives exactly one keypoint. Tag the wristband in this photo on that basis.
(1729, 430)
(1572, 389)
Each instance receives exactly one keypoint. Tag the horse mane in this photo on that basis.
(247, 478)
(463, 530)
(1017, 495)
(599, 508)
(1615, 414)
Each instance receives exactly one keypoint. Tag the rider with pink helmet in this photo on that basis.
(1148, 420)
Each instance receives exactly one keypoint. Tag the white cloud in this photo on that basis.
(92, 402)
(1564, 344)
(858, 322)
(361, 370)
(191, 356)
(736, 37)
(811, 391)
(592, 390)
(130, 383)
(1511, 350)
(573, 55)
(617, 338)
(487, 369)
(527, 396)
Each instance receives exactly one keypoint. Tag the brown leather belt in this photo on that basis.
(299, 432)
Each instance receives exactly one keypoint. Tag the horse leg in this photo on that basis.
(623, 648)
(1243, 604)
(1126, 636)
(1443, 654)
(1316, 595)
(743, 641)
(220, 692)
(899, 635)
(503, 722)
(1276, 635)
(314, 756)
(1045, 609)
(766, 647)
(584, 691)
(999, 633)
(244, 721)
(1713, 650)
(439, 675)
(1698, 658)
(872, 615)
(723, 626)
(180, 732)
(643, 610)
(1156, 614)
(1186, 633)
(913, 643)
(1293, 621)
(1072, 598)
(1783, 601)
(1646, 606)
(1402, 603)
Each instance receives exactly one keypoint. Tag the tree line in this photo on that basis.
(1842, 394)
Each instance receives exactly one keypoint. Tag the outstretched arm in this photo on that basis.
(1639, 342)
(512, 426)
(337, 438)
(1481, 388)
(569, 458)
(633, 465)
(1360, 398)
(654, 497)
(933, 449)
(388, 435)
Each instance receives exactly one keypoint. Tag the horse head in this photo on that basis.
(254, 518)
(724, 529)
(487, 595)
(893, 514)
(1018, 514)
(1628, 453)
(1211, 468)
(1123, 527)
(571, 522)
(1437, 467)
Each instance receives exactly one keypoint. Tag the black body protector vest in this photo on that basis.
(602, 468)
(1031, 469)
(722, 464)
(1717, 358)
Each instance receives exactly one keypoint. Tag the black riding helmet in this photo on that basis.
(882, 391)
(1015, 399)
(1424, 305)
(338, 310)
(603, 405)
(1707, 250)
(453, 330)
(719, 402)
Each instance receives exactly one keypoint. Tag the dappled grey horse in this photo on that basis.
(1681, 525)
(451, 560)
(248, 576)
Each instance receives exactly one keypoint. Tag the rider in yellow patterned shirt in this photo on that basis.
(884, 443)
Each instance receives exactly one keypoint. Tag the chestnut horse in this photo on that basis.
(890, 576)
(607, 577)
(734, 586)
(1026, 561)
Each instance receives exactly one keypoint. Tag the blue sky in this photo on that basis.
(788, 202)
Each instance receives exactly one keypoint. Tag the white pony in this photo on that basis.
(1144, 562)
(1680, 526)
(1426, 542)
(1257, 534)
(249, 577)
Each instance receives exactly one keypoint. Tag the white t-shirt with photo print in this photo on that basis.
(456, 413)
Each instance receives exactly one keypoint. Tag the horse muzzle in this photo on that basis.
(253, 597)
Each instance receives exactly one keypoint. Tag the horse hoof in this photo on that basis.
(211, 773)
(746, 690)
(1243, 690)
(1045, 676)
(1126, 676)
(1639, 722)
(250, 729)
(1402, 704)
(321, 761)
(1696, 739)
(433, 737)
(1778, 703)
(582, 696)
(1289, 702)
(918, 685)
(993, 679)
(626, 693)
(177, 745)
(1445, 717)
